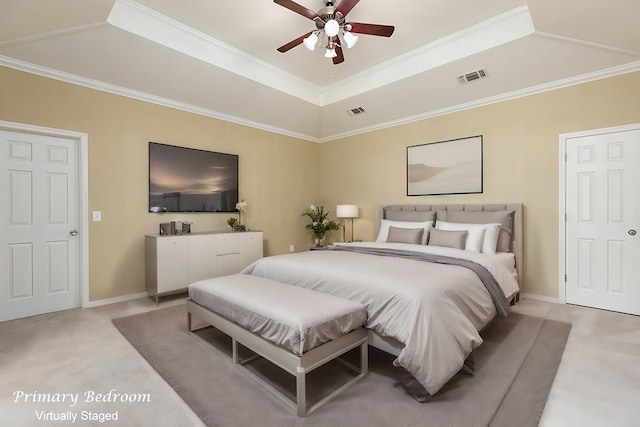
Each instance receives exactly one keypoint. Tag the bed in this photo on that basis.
(426, 303)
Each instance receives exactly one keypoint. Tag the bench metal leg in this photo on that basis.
(234, 350)
(364, 358)
(297, 366)
(301, 393)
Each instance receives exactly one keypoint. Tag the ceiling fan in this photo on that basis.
(332, 28)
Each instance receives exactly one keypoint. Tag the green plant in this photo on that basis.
(233, 222)
(320, 222)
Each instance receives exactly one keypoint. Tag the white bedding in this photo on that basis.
(435, 310)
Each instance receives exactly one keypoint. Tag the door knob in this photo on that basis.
(73, 232)
(632, 232)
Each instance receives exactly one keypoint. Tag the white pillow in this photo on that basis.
(481, 238)
(386, 223)
(491, 233)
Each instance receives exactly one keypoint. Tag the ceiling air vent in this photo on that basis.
(355, 111)
(474, 75)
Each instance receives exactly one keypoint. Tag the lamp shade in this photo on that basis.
(310, 42)
(347, 211)
(350, 39)
(330, 53)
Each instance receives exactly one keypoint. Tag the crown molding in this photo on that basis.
(521, 93)
(143, 96)
(145, 22)
(151, 25)
(54, 34)
(586, 43)
(500, 29)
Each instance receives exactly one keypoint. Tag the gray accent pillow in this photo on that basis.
(405, 235)
(446, 238)
(413, 216)
(504, 218)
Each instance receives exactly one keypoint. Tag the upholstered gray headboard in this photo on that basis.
(420, 212)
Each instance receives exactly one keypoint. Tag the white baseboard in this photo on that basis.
(100, 302)
(542, 298)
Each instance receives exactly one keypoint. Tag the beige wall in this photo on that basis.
(521, 145)
(281, 176)
(278, 174)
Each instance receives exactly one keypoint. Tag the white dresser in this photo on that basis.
(175, 261)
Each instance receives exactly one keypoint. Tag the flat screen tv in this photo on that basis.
(190, 180)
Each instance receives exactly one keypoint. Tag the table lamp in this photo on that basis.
(347, 212)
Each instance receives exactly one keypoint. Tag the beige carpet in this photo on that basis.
(515, 368)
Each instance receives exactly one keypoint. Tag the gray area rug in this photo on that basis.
(515, 367)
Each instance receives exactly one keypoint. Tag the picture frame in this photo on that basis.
(454, 166)
(165, 228)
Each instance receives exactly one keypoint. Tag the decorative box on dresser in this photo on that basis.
(175, 261)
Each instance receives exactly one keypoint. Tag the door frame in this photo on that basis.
(562, 205)
(83, 179)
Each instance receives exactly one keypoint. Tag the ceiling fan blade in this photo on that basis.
(339, 58)
(372, 29)
(295, 7)
(345, 6)
(293, 43)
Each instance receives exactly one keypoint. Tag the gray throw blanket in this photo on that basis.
(497, 296)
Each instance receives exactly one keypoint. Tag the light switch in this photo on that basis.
(97, 216)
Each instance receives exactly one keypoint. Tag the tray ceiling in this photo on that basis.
(219, 58)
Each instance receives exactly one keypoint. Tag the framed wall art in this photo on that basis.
(445, 167)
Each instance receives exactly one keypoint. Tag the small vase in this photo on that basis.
(319, 242)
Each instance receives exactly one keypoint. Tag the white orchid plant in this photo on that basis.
(236, 224)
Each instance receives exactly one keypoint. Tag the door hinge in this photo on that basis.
(565, 278)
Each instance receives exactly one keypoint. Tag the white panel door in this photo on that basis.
(39, 219)
(603, 218)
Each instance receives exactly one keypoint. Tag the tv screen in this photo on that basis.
(189, 180)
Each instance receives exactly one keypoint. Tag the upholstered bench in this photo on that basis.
(295, 328)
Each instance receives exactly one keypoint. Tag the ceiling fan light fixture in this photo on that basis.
(310, 42)
(330, 53)
(331, 28)
(350, 39)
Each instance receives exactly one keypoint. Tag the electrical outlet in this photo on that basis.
(97, 216)
(292, 248)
